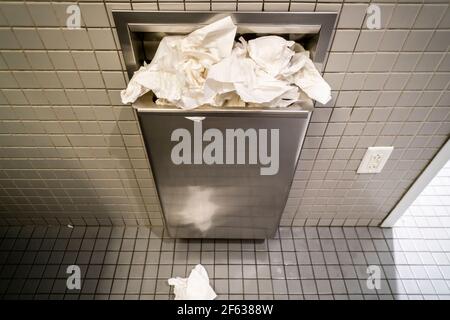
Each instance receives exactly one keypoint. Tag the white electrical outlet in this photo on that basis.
(374, 159)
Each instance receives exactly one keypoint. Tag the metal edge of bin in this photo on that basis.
(297, 160)
(145, 104)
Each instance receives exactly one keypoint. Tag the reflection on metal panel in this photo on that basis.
(233, 200)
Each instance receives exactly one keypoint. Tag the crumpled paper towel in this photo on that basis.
(249, 80)
(208, 67)
(178, 70)
(195, 287)
(305, 75)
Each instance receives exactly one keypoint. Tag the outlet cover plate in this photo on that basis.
(375, 159)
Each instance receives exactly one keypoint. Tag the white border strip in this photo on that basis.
(418, 186)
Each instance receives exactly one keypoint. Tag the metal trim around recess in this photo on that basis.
(129, 23)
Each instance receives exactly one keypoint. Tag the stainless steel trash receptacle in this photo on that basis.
(201, 199)
(232, 198)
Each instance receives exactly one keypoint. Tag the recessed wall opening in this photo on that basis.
(140, 32)
(150, 40)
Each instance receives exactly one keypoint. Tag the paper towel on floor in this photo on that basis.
(195, 287)
(208, 67)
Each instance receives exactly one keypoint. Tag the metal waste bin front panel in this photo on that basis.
(222, 200)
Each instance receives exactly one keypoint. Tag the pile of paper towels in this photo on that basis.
(207, 67)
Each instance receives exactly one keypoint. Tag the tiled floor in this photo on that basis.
(432, 207)
(300, 263)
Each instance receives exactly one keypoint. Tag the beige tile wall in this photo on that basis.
(71, 153)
